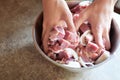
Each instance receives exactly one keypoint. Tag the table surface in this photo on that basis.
(19, 60)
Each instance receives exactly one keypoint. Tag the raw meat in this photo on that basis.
(70, 48)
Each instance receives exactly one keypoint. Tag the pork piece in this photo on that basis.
(61, 38)
(57, 33)
(52, 55)
(73, 38)
(84, 55)
(64, 56)
(94, 56)
(84, 59)
(92, 47)
(85, 64)
(67, 54)
(105, 55)
(84, 27)
(59, 45)
(86, 37)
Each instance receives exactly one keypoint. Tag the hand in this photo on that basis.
(55, 12)
(99, 15)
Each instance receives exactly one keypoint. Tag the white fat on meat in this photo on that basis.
(105, 55)
(85, 64)
(72, 53)
(86, 37)
(57, 33)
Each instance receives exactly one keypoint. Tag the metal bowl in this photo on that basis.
(37, 34)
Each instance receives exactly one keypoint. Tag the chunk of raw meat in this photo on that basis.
(84, 27)
(57, 33)
(104, 56)
(67, 54)
(61, 38)
(73, 38)
(86, 37)
(85, 64)
(92, 47)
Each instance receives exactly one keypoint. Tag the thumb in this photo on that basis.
(45, 35)
(97, 32)
(106, 40)
(70, 23)
(79, 19)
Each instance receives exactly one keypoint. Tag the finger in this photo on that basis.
(61, 23)
(70, 24)
(45, 42)
(106, 40)
(45, 36)
(79, 19)
(97, 32)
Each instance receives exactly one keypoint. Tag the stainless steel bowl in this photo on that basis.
(37, 34)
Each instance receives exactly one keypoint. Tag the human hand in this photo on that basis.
(99, 15)
(57, 13)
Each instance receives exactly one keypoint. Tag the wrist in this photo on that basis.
(106, 6)
(106, 3)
